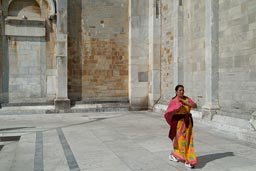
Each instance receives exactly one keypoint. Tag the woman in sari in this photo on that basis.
(179, 118)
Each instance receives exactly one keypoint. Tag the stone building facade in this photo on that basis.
(57, 51)
(209, 46)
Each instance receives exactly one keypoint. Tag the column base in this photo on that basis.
(253, 120)
(153, 99)
(138, 103)
(62, 105)
(208, 111)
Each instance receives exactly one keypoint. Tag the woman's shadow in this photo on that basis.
(203, 160)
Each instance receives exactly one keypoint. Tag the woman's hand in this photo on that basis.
(184, 102)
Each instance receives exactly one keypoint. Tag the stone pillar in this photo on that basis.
(61, 102)
(138, 54)
(1, 53)
(5, 59)
(154, 51)
(187, 67)
(211, 58)
(178, 50)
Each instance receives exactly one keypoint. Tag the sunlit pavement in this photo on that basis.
(113, 141)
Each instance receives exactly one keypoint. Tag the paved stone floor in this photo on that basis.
(118, 141)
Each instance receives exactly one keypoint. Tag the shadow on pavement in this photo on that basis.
(203, 160)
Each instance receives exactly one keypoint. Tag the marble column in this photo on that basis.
(154, 51)
(62, 102)
(138, 54)
(178, 47)
(211, 58)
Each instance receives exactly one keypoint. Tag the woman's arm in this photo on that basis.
(189, 103)
(193, 105)
(174, 106)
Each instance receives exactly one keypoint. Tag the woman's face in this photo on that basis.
(180, 92)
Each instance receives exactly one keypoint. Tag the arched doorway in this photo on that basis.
(25, 31)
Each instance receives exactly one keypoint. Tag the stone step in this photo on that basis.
(100, 107)
(22, 110)
(105, 100)
(77, 108)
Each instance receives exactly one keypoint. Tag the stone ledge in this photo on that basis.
(11, 19)
(100, 107)
(49, 103)
(25, 110)
(11, 108)
(239, 133)
(99, 101)
(78, 108)
(30, 27)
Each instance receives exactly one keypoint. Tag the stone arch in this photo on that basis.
(28, 8)
(51, 5)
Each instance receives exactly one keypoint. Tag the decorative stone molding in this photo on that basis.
(10, 1)
(32, 27)
(50, 3)
(52, 8)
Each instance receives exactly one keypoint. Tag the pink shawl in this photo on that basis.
(173, 105)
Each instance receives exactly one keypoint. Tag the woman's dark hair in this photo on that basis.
(178, 86)
(176, 89)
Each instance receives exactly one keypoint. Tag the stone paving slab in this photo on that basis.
(113, 141)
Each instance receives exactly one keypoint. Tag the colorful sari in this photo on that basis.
(181, 132)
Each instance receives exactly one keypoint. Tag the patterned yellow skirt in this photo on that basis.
(183, 147)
